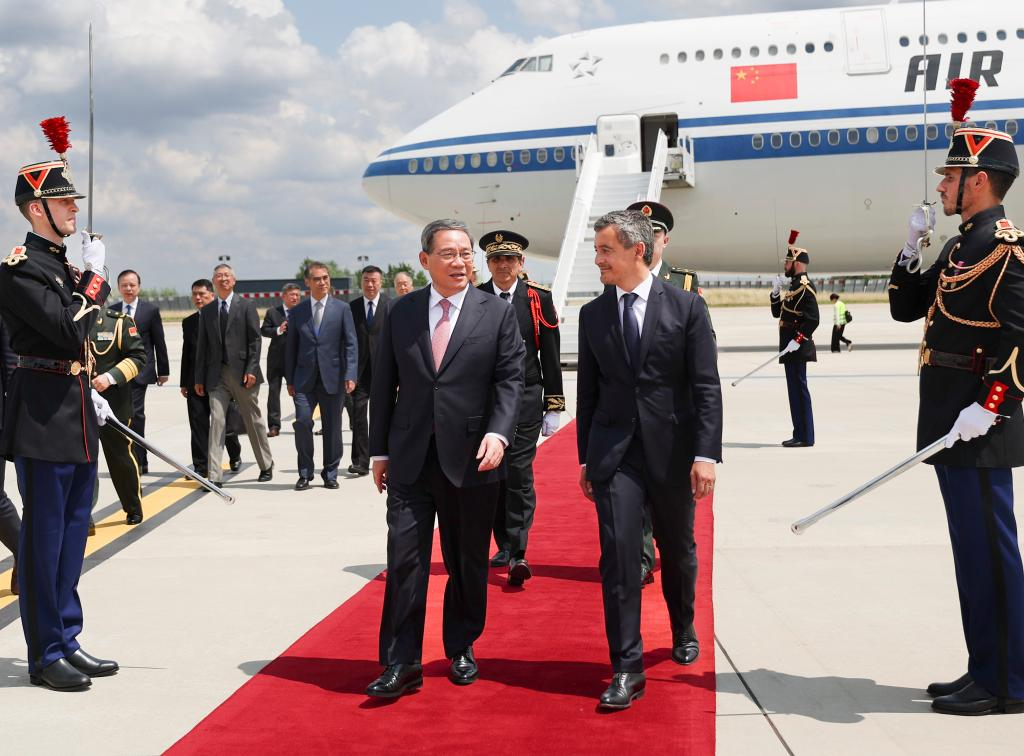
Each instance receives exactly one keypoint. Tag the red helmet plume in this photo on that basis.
(793, 233)
(57, 131)
(962, 97)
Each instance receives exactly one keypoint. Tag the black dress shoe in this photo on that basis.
(358, 470)
(500, 558)
(144, 469)
(974, 701)
(519, 572)
(14, 578)
(62, 676)
(202, 472)
(266, 475)
(273, 432)
(396, 680)
(685, 646)
(646, 577)
(937, 689)
(133, 518)
(92, 527)
(330, 483)
(464, 670)
(302, 484)
(90, 665)
(235, 465)
(626, 687)
(795, 444)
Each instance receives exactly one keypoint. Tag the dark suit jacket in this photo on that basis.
(476, 390)
(189, 342)
(275, 352)
(368, 337)
(674, 399)
(151, 327)
(332, 354)
(242, 343)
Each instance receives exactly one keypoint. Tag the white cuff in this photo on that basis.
(705, 459)
(383, 458)
(504, 441)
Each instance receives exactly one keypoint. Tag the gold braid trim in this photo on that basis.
(954, 283)
(128, 368)
(1011, 363)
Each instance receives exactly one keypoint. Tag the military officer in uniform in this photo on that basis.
(51, 415)
(797, 311)
(119, 355)
(971, 386)
(541, 402)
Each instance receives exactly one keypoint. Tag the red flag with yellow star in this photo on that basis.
(772, 82)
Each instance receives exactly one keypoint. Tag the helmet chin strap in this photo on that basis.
(960, 191)
(46, 208)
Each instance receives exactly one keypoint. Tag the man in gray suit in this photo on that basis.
(228, 364)
(320, 360)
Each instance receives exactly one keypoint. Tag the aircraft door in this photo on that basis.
(866, 50)
(618, 139)
(650, 125)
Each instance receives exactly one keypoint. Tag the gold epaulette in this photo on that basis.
(17, 256)
(554, 403)
(536, 285)
(1007, 232)
(115, 314)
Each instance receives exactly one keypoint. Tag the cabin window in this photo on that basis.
(755, 51)
(699, 55)
(773, 49)
(961, 37)
(514, 67)
(833, 137)
(492, 159)
(891, 134)
(904, 41)
(828, 47)
(757, 141)
(852, 136)
(911, 133)
(524, 157)
(991, 125)
(545, 63)
(809, 47)
(474, 160)
(813, 138)
(1001, 34)
(414, 165)
(933, 132)
(950, 128)
(1020, 34)
(982, 36)
(718, 54)
(795, 139)
(1011, 127)
(791, 48)
(871, 134)
(943, 38)
(428, 164)
(508, 158)
(559, 154)
(663, 59)
(681, 57)
(923, 39)
(460, 162)
(542, 155)
(776, 141)
(442, 163)
(736, 52)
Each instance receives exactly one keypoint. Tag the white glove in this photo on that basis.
(777, 283)
(919, 229)
(792, 346)
(102, 408)
(94, 254)
(550, 424)
(973, 421)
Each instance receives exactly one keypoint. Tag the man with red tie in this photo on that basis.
(437, 446)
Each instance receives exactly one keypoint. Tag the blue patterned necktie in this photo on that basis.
(369, 315)
(631, 329)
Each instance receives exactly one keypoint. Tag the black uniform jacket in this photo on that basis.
(981, 275)
(797, 311)
(275, 352)
(48, 416)
(366, 338)
(241, 346)
(543, 364)
(675, 396)
(151, 327)
(8, 361)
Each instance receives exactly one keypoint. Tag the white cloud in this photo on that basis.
(565, 15)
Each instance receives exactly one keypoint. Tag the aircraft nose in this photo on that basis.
(376, 183)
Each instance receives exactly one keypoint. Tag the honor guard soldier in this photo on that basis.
(797, 311)
(119, 355)
(971, 386)
(51, 418)
(542, 399)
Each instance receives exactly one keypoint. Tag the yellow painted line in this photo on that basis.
(113, 527)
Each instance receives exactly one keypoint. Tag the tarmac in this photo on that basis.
(824, 644)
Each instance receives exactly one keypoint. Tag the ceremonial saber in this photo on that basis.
(800, 526)
(763, 365)
(213, 487)
(92, 135)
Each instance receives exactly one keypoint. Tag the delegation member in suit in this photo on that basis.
(10, 522)
(368, 313)
(199, 406)
(275, 328)
(649, 429)
(437, 446)
(228, 367)
(157, 368)
(320, 363)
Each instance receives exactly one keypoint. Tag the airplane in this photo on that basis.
(812, 120)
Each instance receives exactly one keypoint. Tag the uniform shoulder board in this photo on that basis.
(115, 314)
(1007, 232)
(17, 256)
(804, 280)
(682, 271)
(536, 285)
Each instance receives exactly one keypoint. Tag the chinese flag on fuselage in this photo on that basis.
(772, 82)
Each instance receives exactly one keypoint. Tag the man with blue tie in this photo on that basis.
(368, 313)
(321, 359)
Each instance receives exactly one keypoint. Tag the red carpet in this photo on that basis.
(543, 663)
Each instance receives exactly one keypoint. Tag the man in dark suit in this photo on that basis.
(228, 367)
(320, 362)
(199, 406)
(437, 446)
(157, 368)
(10, 522)
(368, 313)
(275, 328)
(649, 431)
(542, 399)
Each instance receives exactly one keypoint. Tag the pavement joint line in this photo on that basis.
(753, 696)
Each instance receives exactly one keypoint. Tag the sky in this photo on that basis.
(243, 127)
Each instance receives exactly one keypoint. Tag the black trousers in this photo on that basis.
(464, 517)
(357, 405)
(330, 418)
(837, 336)
(800, 402)
(10, 522)
(514, 515)
(274, 403)
(199, 425)
(124, 472)
(139, 420)
(620, 505)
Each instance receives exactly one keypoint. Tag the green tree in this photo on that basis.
(419, 278)
(335, 270)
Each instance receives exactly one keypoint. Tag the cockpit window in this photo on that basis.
(514, 67)
(530, 65)
(543, 63)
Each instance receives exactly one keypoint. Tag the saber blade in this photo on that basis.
(92, 135)
(762, 366)
(800, 526)
(212, 487)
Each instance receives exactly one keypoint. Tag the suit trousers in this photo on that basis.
(464, 517)
(514, 515)
(124, 472)
(620, 504)
(330, 416)
(989, 575)
(357, 405)
(139, 420)
(10, 522)
(249, 408)
(199, 425)
(56, 499)
(274, 403)
(800, 402)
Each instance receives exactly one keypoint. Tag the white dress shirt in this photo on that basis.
(230, 298)
(511, 290)
(657, 271)
(131, 310)
(366, 305)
